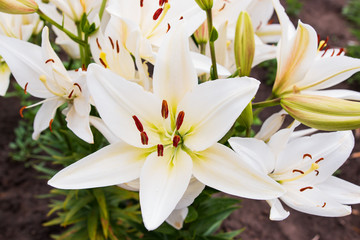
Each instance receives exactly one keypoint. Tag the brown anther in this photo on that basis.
(83, 67)
(71, 93)
(305, 188)
(340, 52)
(112, 43)
(76, 84)
(180, 120)
(160, 150)
(25, 88)
(327, 48)
(161, 2)
(21, 111)
(324, 44)
(222, 8)
(259, 26)
(320, 159)
(144, 138)
(103, 63)
(98, 44)
(176, 140)
(317, 172)
(323, 205)
(164, 109)
(157, 14)
(168, 29)
(76, 70)
(50, 60)
(181, 18)
(138, 124)
(307, 155)
(117, 46)
(299, 171)
(50, 124)
(318, 37)
(141, 3)
(333, 53)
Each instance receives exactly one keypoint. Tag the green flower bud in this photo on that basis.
(244, 45)
(323, 113)
(205, 4)
(18, 6)
(202, 34)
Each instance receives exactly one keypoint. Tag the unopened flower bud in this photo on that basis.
(244, 45)
(205, 4)
(202, 34)
(323, 113)
(18, 6)
(246, 117)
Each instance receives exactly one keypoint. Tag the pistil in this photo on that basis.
(313, 167)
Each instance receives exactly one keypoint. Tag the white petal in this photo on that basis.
(4, 78)
(133, 185)
(342, 191)
(336, 93)
(117, 100)
(220, 168)
(212, 108)
(263, 52)
(114, 164)
(163, 181)
(174, 73)
(45, 114)
(203, 64)
(79, 125)
(271, 125)
(270, 33)
(313, 201)
(255, 152)
(194, 189)
(177, 217)
(277, 212)
(99, 124)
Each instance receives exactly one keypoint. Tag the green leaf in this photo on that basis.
(192, 215)
(92, 223)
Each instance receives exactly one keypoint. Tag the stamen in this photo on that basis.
(117, 46)
(313, 167)
(25, 88)
(323, 43)
(103, 63)
(340, 52)
(50, 124)
(222, 8)
(98, 44)
(164, 109)
(50, 60)
(299, 171)
(168, 28)
(161, 2)
(327, 48)
(112, 43)
(21, 111)
(83, 67)
(144, 138)
(181, 18)
(157, 14)
(307, 155)
(320, 159)
(103, 59)
(76, 84)
(71, 93)
(259, 26)
(317, 172)
(180, 120)
(141, 3)
(138, 124)
(42, 78)
(318, 36)
(333, 53)
(305, 188)
(176, 140)
(160, 150)
(323, 205)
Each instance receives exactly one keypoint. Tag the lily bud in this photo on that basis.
(246, 118)
(244, 45)
(18, 6)
(202, 34)
(205, 4)
(323, 113)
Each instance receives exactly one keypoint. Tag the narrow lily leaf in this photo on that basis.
(92, 223)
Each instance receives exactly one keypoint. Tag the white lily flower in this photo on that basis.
(20, 27)
(75, 9)
(169, 135)
(304, 167)
(40, 72)
(306, 66)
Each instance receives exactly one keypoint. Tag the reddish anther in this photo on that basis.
(340, 52)
(317, 172)
(138, 124)
(157, 14)
(323, 205)
(318, 37)
(50, 60)
(176, 140)
(50, 124)
(299, 171)
(181, 18)
(180, 120)
(112, 43)
(144, 138)
(320, 159)
(307, 155)
(71, 93)
(117, 46)
(327, 48)
(25, 88)
(305, 188)
(164, 109)
(103, 63)
(21, 111)
(161, 2)
(222, 8)
(76, 84)
(83, 67)
(160, 150)
(141, 3)
(168, 29)
(98, 44)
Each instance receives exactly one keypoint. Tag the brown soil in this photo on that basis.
(22, 214)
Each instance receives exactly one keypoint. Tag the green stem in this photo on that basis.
(81, 47)
(202, 47)
(211, 44)
(267, 103)
(102, 8)
(63, 127)
(67, 32)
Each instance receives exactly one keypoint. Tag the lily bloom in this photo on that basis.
(168, 136)
(304, 167)
(40, 72)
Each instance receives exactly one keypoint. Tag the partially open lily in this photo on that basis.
(40, 72)
(76, 8)
(169, 136)
(304, 167)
